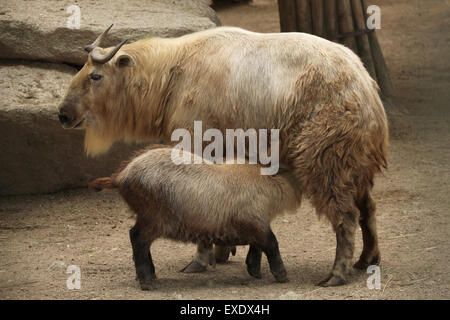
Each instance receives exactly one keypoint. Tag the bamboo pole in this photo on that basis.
(383, 77)
(363, 40)
(330, 19)
(304, 21)
(317, 18)
(346, 23)
(287, 12)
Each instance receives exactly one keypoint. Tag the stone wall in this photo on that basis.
(37, 154)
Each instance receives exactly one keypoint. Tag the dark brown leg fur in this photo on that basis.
(145, 270)
(270, 248)
(253, 262)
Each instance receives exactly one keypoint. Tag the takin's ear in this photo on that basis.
(124, 60)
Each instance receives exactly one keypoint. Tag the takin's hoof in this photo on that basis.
(254, 272)
(332, 281)
(281, 277)
(222, 253)
(363, 264)
(194, 267)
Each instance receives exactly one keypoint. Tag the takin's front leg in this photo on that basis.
(222, 253)
(202, 258)
(205, 256)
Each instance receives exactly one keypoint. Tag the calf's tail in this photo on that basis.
(103, 183)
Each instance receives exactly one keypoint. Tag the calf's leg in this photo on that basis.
(253, 262)
(270, 247)
(145, 270)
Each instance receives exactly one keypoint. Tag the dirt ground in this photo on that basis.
(41, 235)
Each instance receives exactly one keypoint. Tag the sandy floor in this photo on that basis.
(41, 235)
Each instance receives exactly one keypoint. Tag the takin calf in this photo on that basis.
(224, 204)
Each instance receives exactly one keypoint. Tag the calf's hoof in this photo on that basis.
(146, 285)
(254, 272)
(281, 277)
(332, 281)
(194, 267)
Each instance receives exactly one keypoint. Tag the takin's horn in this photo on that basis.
(99, 57)
(97, 41)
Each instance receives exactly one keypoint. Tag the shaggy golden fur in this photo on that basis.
(333, 127)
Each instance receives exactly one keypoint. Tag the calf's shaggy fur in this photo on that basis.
(208, 203)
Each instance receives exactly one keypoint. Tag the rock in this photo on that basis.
(37, 30)
(38, 156)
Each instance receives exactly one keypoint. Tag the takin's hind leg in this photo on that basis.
(370, 254)
(145, 270)
(202, 258)
(343, 215)
(270, 247)
(253, 262)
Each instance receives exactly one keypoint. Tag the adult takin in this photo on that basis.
(226, 204)
(332, 124)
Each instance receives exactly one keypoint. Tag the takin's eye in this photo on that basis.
(95, 76)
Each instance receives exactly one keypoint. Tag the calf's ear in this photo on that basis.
(124, 60)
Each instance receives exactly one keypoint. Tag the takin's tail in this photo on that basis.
(103, 183)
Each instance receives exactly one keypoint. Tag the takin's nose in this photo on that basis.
(64, 118)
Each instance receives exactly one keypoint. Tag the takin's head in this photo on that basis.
(97, 99)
